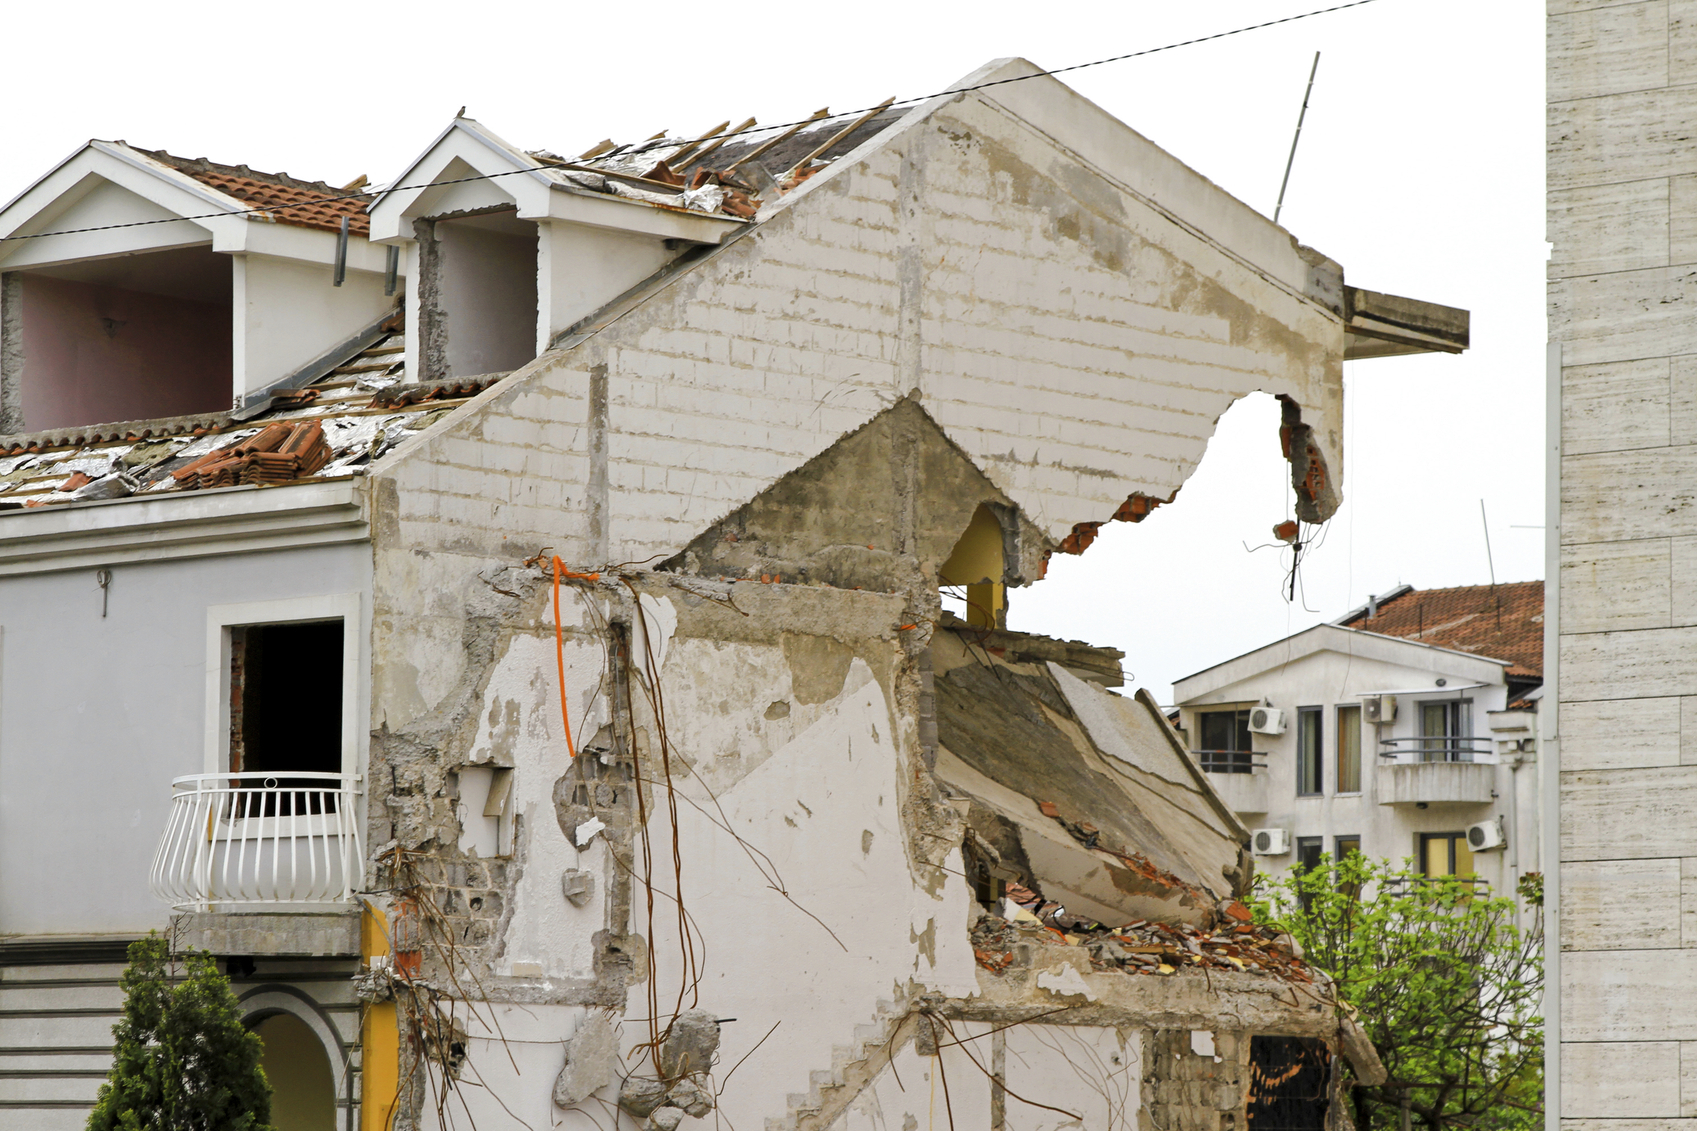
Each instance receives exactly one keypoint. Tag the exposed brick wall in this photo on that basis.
(1186, 1092)
(1076, 342)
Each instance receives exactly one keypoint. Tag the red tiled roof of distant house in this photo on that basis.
(1503, 622)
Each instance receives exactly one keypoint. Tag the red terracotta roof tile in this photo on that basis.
(1503, 622)
(291, 200)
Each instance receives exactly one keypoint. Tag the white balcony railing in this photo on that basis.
(235, 840)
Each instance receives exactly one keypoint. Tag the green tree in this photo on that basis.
(184, 1061)
(1443, 982)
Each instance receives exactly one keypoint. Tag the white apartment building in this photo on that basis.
(1405, 729)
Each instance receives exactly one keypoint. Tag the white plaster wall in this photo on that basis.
(580, 269)
(910, 1094)
(1091, 1072)
(823, 809)
(1088, 1070)
(99, 713)
(488, 293)
(287, 313)
(521, 726)
(1330, 679)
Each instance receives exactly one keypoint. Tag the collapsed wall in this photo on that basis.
(758, 813)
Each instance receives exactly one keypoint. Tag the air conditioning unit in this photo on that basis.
(1379, 708)
(1484, 836)
(1271, 842)
(1267, 720)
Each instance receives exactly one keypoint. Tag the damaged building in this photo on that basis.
(531, 678)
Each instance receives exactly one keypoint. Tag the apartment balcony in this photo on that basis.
(1238, 776)
(261, 842)
(1436, 771)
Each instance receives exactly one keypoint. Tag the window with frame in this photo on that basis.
(1444, 727)
(1349, 749)
(1309, 752)
(1224, 738)
(1445, 854)
(1344, 846)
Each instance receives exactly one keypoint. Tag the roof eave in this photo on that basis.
(1381, 325)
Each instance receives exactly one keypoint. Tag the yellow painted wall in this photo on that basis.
(379, 1036)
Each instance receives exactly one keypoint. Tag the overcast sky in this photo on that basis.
(1420, 170)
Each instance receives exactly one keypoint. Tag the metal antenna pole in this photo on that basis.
(1495, 597)
(1291, 160)
(1487, 526)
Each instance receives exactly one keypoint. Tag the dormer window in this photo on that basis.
(126, 338)
(136, 285)
(477, 307)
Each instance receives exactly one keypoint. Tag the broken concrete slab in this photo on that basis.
(691, 1045)
(592, 1056)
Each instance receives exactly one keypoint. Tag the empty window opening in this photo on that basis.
(975, 572)
(1349, 749)
(1288, 1077)
(286, 710)
(132, 337)
(1225, 742)
(1309, 748)
(485, 295)
(485, 810)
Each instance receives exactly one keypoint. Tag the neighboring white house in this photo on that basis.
(1392, 731)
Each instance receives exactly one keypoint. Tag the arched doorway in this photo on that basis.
(303, 1088)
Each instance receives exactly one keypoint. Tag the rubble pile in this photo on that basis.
(1234, 943)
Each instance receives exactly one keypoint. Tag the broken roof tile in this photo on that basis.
(304, 204)
(337, 426)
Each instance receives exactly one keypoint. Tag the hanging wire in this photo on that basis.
(368, 193)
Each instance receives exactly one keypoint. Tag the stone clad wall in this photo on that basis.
(1622, 182)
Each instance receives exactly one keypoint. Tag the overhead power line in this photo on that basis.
(368, 192)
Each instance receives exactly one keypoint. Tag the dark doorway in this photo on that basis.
(1287, 1083)
(286, 702)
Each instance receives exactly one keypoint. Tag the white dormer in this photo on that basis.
(505, 251)
(145, 285)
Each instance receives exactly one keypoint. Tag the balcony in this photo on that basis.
(260, 842)
(1436, 783)
(1436, 748)
(1238, 776)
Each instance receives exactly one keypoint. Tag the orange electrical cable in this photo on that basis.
(560, 571)
(560, 655)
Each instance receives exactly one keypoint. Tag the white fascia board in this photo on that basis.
(1344, 641)
(185, 524)
(527, 181)
(310, 245)
(638, 217)
(34, 210)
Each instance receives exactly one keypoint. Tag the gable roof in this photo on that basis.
(1504, 622)
(1357, 642)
